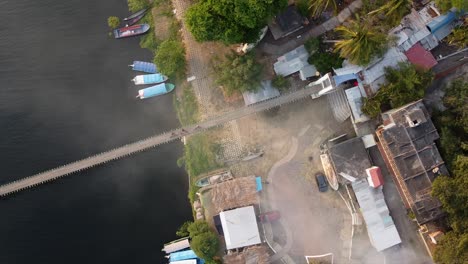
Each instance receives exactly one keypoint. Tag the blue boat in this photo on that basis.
(156, 90)
(149, 78)
(144, 67)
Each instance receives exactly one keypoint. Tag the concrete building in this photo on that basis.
(240, 227)
(407, 142)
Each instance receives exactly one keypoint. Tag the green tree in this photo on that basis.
(404, 84)
(231, 21)
(317, 7)
(205, 245)
(459, 37)
(394, 10)
(325, 61)
(280, 82)
(113, 22)
(170, 58)
(239, 73)
(198, 227)
(313, 44)
(183, 229)
(456, 99)
(360, 42)
(453, 249)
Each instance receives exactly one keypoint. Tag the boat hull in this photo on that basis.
(143, 66)
(149, 79)
(131, 31)
(156, 90)
(136, 14)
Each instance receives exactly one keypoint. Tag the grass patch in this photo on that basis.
(187, 106)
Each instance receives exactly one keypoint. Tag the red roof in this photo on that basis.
(375, 176)
(420, 57)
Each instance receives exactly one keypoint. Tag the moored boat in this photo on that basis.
(134, 15)
(156, 90)
(131, 31)
(149, 78)
(144, 66)
(135, 19)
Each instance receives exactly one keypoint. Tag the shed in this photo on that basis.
(418, 56)
(355, 102)
(240, 227)
(292, 61)
(374, 177)
(441, 26)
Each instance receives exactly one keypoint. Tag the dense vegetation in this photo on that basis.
(445, 5)
(459, 36)
(231, 21)
(361, 41)
(393, 11)
(238, 73)
(405, 84)
(320, 57)
(452, 190)
(170, 57)
(204, 241)
(280, 83)
(317, 7)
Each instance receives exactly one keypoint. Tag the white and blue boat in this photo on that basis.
(144, 66)
(149, 78)
(156, 90)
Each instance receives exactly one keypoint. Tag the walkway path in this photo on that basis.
(156, 140)
(313, 32)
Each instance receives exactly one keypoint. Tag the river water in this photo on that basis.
(65, 94)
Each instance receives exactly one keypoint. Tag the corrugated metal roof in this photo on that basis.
(418, 56)
(292, 61)
(264, 93)
(354, 97)
(176, 246)
(382, 231)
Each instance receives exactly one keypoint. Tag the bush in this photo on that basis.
(183, 229)
(325, 61)
(170, 58)
(280, 82)
(136, 5)
(205, 245)
(312, 45)
(113, 22)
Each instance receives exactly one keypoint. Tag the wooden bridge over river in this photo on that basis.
(312, 89)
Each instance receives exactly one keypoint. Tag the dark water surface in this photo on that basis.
(65, 93)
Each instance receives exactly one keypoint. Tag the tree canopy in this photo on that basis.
(445, 5)
(238, 73)
(405, 84)
(231, 21)
(170, 57)
(317, 7)
(183, 229)
(361, 42)
(459, 36)
(205, 245)
(394, 10)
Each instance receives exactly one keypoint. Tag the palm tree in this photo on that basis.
(360, 42)
(394, 10)
(317, 7)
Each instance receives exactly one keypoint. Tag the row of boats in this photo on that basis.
(154, 77)
(130, 29)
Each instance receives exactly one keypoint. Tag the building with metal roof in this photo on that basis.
(418, 56)
(355, 101)
(186, 255)
(407, 138)
(176, 245)
(380, 226)
(265, 92)
(441, 26)
(240, 227)
(294, 61)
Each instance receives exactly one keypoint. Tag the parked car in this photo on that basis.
(321, 182)
(269, 216)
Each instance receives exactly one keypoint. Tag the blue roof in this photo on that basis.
(144, 67)
(441, 26)
(339, 79)
(258, 180)
(184, 255)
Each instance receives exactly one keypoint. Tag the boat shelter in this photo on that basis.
(240, 227)
(176, 245)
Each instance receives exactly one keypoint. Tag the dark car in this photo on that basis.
(321, 182)
(269, 216)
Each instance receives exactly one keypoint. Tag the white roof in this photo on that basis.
(380, 227)
(292, 62)
(355, 103)
(240, 227)
(176, 246)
